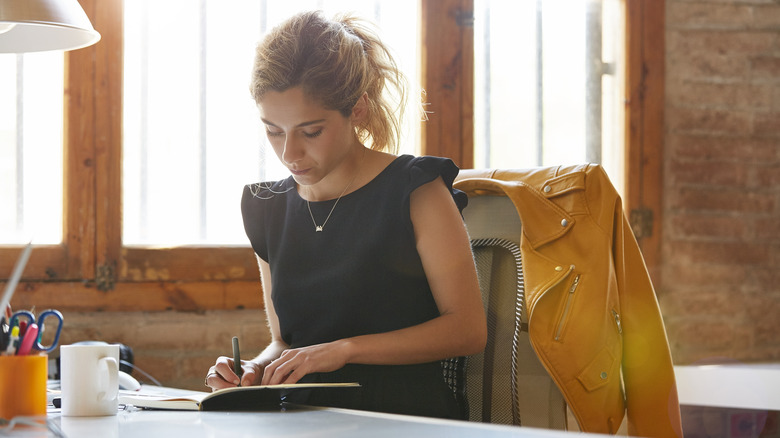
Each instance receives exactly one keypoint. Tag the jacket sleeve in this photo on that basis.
(651, 393)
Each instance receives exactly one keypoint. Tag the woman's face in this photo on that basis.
(309, 140)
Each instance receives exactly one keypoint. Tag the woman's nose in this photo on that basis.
(292, 150)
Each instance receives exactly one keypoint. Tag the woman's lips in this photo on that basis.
(299, 172)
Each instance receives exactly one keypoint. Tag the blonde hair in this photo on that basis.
(335, 62)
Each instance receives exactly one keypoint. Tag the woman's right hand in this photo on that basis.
(221, 375)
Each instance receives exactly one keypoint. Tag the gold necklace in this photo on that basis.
(319, 228)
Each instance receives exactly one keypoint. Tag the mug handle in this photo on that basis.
(109, 368)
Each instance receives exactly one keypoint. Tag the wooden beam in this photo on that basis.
(108, 61)
(645, 59)
(447, 53)
(47, 262)
(79, 159)
(188, 264)
(140, 296)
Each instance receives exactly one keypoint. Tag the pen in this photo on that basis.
(237, 360)
(5, 333)
(29, 338)
(13, 340)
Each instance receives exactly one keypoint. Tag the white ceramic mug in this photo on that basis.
(89, 379)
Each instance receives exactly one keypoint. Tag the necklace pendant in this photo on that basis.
(318, 228)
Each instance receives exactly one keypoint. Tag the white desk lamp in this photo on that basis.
(44, 25)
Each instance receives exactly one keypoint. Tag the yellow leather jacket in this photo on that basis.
(593, 316)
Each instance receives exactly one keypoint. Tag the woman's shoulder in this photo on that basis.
(267, 189)
(426, 168)
(261, 198)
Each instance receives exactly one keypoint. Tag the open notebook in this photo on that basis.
(242, 398)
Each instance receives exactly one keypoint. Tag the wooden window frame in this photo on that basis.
(644, 126)
(447, 74)
(92, 271)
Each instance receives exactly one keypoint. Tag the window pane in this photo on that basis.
(192, 135)
(545, 86)
(613, 92)
(31, 186)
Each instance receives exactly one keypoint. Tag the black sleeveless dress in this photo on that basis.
(360, 275)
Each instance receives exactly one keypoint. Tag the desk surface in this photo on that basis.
(309, 423)
(744, 386)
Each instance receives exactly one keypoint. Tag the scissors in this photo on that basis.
(27, 315)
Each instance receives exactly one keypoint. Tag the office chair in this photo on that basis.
(506, 383)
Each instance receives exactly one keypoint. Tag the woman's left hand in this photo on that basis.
(295, 363)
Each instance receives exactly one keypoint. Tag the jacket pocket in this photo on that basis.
(599, 371)
(565, 312)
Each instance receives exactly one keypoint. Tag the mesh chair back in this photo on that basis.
(491, 377)
(506, 383)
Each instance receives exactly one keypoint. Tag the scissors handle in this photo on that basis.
(51, 313)
(19, 315)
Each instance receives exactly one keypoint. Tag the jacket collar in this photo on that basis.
(532, 192)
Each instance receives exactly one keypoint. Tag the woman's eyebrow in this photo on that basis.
(300, 125)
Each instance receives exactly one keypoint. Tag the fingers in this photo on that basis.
(211, 379)
(252, 375)
(294, 364)
(289, 368)
(221, 375)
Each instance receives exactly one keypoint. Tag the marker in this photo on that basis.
(237, 360)
(30, 336)
(13, 341)
(5, 333)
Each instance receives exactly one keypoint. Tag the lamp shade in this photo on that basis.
(43, 25)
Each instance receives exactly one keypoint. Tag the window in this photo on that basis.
(546, 85)
(192, 135)
(86, 265)
(31, 147)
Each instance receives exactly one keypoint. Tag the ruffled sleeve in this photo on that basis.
(254, 220)
(423, 170)
(259, 203)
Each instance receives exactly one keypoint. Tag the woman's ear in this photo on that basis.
(360, 111)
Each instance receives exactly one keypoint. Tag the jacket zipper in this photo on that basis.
(617, 321)
(567, 307)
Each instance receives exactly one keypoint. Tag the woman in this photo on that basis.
(365, 261)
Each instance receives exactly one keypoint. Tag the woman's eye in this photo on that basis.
(270, 133)
(313, 134)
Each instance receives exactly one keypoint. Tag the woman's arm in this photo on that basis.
(221, 375)
(443, 245)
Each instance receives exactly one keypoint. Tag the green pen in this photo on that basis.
(237, 360)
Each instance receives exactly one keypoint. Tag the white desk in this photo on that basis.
(743, 386)
(309, 423)
(738, 386)
(729, 400)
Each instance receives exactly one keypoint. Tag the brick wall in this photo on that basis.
(720, 291)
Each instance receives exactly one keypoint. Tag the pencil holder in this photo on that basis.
(23, 385)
